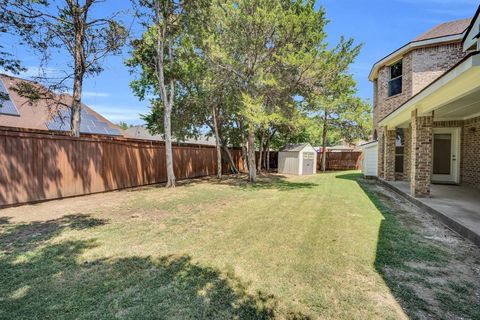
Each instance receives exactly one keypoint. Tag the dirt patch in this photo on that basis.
(56, 209)
(440, 280)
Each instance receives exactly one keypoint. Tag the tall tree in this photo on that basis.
(330, 92)
(265, 46)
(68, 26)
(163, 57)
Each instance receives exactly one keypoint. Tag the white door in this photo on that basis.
(446, 155)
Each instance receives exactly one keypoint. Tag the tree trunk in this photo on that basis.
(76, 107)
(252, 170)
(79, 57)
(217, 143)
(167, 97)
(244, 146)
(233, 167)
(260, 152)
(267, 155)
(324, 144)
(168, 148)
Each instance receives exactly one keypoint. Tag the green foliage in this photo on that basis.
(123, 125)
(262, 65)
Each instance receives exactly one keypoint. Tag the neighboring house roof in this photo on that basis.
(141, 132)
(340, 147)
(19, 112)
(294, 147)
(443, 33)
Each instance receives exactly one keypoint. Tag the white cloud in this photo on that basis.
(33, 72)
(93, 94)
(120, 113)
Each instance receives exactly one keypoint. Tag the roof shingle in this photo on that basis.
(445, 29)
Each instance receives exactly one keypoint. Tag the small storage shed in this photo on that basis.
(370, 159)
(299, 159)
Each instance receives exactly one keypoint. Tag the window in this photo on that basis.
(395, 82)
(399, 151)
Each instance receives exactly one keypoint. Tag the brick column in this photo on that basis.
(421, 155)
(381, 152)
(389, 157)
(407, 153)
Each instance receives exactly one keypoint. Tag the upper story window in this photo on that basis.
(395, 81)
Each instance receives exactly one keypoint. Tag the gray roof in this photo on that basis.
(294, 147)
(141, 132)
(445, 29)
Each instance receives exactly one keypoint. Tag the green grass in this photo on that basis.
(288, 248)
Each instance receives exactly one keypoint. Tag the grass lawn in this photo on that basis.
(326, 246)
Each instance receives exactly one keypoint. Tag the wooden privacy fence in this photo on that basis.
(345, 160)
(37, 166)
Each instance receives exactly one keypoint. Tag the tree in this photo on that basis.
(123, 125)
(67, 27)
(266, 47)
(7, 23)
(330, 93)
(162, 55)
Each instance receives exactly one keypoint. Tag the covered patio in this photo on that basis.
(456, 206)
(435, 137)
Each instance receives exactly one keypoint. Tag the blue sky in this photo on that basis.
(382, 26)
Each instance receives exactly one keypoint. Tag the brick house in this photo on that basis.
(426, 114)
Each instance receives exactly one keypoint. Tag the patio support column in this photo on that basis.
(381, 151)
(407, 153)
(421, 155)
(389, 157)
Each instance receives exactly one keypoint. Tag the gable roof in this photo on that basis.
(472, 22)
(294, 147)
(40, 115)
(470, 37)
(447, 32)
(451, 28)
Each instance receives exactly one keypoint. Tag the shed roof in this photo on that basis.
(294, 147)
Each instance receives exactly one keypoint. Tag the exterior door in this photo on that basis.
(308, 163)
(446, 155)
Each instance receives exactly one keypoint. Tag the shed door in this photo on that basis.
(308, 163)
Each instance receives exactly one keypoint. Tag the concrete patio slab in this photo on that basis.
(456, 206)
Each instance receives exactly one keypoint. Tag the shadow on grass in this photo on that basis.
(267, 182)
(47, 279)
(413, 266)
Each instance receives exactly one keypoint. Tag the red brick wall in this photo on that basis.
(421, 157)
(470, 171)
(385, 104)
(420, 68)
(429, 63)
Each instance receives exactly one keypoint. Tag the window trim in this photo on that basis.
(390, 79)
